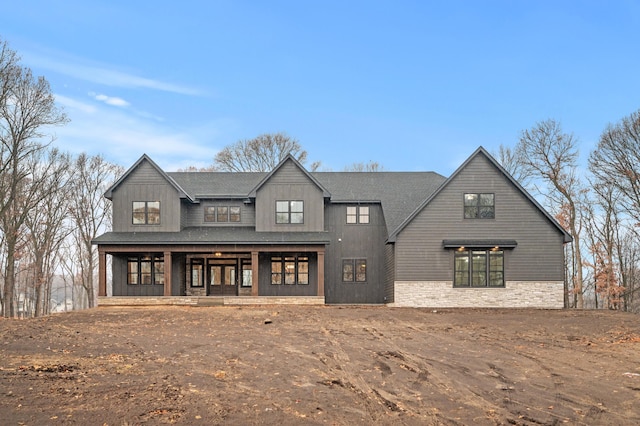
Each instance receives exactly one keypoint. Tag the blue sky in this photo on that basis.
(414, 85)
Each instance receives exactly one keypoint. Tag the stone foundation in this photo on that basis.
(515, 294)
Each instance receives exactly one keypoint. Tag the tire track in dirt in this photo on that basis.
(339, 365)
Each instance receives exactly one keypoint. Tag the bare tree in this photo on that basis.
(90, 214)
(27, 109)
(260, 154)
(616, 161)
(550, 155)
(604, 224)
(45, 226)
(513, 164)
(371, 166)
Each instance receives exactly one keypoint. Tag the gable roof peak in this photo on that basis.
(482, 151)
(285, 159)
(145, 158)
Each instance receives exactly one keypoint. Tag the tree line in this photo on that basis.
(596, 200)
(51, 203)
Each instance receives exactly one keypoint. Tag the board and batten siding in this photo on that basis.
(538, 257)
(145, 184)
(289, 183)
(389, 272)
(195, 213)
(355, 241)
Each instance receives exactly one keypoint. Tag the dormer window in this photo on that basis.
(146, 212)
(357, 214)
(479, 206)
(289, 212)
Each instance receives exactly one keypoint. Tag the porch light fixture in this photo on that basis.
(217, 254)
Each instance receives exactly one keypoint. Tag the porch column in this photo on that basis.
(321, 273)
(167, 273)
(102, 272)
(254, 273)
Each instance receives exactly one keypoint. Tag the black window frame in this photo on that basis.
(475, 208)
(484, 268)
(358, 215)
(209, 214)
(197, 264)
(235, 214)
(285, 216)
(222, 214)
(146, 214)
(354, 270)
(149, 269)
(297, 264)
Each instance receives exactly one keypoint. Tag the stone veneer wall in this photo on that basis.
(515, 294)
(196, 291)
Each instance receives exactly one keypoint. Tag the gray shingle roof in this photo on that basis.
(400, 193)
(217, 184)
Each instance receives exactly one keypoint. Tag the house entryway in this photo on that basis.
(222, 278)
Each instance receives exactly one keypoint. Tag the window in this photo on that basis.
(246, 273)
(145, 270)
(290, 270)
(290, 212)
(479, 268)
(146, 212)
(222, 214)
(354, 270)
(234, 214)
(357, 214)
(479, 206)
(197, 275)
(209, 214)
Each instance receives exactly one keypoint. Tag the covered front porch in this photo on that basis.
(223, 271)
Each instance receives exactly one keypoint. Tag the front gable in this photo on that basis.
(291, 186)
(146, 185)
(532, 239)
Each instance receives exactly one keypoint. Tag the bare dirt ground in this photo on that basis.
(291, 365)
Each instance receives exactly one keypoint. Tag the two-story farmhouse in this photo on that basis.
(476, 239)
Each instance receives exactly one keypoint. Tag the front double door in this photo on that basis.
(222, 279)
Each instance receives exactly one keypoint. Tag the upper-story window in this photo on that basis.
(289, 211)
(357, 214)
(146, 212)
(479, 206)
(222, 214)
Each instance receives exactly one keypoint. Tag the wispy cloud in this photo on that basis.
(122, 136)
(106, 75)
(109, 100)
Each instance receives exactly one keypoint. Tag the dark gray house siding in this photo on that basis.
(415, 224)
(144, 183)
(289, 183)
(194, 214)
(389, 272)
(352, 242)
(268, 289)
(119, 278)
(538, 256)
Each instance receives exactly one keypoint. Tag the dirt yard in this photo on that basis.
(290, 365)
